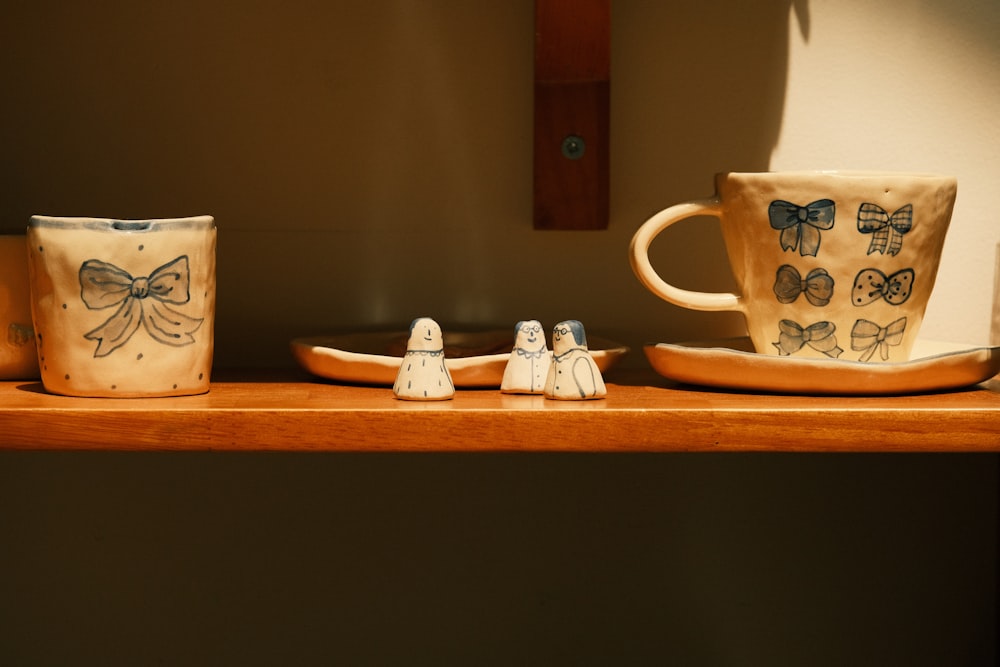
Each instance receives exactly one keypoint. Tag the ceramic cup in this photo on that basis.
(123, 308)
(18, 360)
(830, 265)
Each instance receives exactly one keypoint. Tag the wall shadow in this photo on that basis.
(702, 91)
(369, 163)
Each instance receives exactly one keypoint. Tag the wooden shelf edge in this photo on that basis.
(643, 413)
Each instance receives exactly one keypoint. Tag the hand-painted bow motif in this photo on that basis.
(819, 336)
(866, 337)
(887, 231)
(871, 285)
(788, 284)
(103, 285)
(800, 225)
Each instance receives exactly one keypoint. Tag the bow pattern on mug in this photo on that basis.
(819, 336)
(866, 337)
(104, 285)
(788, 284)
(872, 284)
(887, 231)
(800, 225)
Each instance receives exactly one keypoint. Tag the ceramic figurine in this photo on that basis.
(529, 360)
(573, 375)
(123, 308)
(423, 375)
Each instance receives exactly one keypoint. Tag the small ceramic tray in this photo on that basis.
(732, 364)
(474, 359)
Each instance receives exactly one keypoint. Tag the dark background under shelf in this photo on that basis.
(695, 559)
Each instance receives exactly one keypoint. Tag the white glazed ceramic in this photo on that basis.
(475, 359)
(829, 265)
(423, 375)
(123, 308)
(528, 364)
(995, 324)
(732, 364)
(573, 375)
(18, 359)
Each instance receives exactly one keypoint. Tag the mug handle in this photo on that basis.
(639, 256)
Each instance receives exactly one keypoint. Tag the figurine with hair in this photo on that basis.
(573, 374)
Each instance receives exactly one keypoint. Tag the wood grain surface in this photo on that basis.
(642, 413)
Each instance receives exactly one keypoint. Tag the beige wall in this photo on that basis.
(370, 162)
(909, 85)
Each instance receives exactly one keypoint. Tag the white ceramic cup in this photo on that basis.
(830, 265)
(123, 308)
(18, 360)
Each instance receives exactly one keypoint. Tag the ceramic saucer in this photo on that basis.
(474, 359)
(732, 364)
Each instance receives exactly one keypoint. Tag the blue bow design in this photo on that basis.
(819, 336)
(800, 225)
(788, 284)
(887, 231)
(866, 337)
(104, 285)
(872, 284)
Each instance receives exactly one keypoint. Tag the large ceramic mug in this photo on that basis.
(123, 307)
(832, 265)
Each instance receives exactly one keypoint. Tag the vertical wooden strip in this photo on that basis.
(572, 114)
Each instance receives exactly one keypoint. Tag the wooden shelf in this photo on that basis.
(643, 413)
